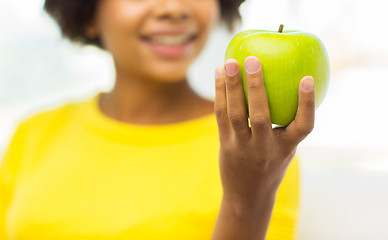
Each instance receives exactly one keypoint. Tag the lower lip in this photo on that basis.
(169, 51)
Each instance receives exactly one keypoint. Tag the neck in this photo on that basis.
(148, 102)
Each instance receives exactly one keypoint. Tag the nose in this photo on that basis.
(176, 10)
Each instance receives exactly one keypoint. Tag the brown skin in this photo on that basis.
(150, 89)
(253, 160)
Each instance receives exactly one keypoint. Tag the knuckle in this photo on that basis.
(258, 120)
(305, 128)
(235, 119)
(233, 84)
(219, 110)
(310, 128)
(228, 149)
(309, 104)
(254, 86)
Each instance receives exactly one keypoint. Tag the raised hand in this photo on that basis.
(253, 158)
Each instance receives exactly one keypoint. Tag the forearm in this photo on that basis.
(243, 220)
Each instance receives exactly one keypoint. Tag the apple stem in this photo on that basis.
(281, 28)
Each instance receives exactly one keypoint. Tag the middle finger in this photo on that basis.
(257, 97)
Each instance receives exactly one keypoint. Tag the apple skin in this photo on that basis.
(285, 58)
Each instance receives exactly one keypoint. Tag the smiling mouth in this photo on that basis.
(170, 40)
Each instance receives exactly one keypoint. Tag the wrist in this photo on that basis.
(250, 206)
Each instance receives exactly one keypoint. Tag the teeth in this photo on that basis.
(170, 40)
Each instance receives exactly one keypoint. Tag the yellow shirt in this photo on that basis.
(72, 173)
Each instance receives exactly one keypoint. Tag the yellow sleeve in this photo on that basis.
(9, 166)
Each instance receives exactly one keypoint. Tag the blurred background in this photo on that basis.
(344, 162)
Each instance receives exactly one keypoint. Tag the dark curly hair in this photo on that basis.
(74, 15)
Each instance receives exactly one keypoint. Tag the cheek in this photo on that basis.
(208, 12)
(118, 22)
(207, 16)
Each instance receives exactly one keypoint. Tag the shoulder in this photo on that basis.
(48, 120)
(39, 127)
(56, 115)
(44, 118)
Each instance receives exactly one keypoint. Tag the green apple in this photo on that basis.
(286, 57)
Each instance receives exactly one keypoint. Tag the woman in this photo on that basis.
(151, 159)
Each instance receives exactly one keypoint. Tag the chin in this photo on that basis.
(169, 78)
(169, 73)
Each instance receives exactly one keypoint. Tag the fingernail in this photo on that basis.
(252, 64)
(308, 84)
(231, 67)
(219, 72)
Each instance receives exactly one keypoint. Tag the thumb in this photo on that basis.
(304, 119)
